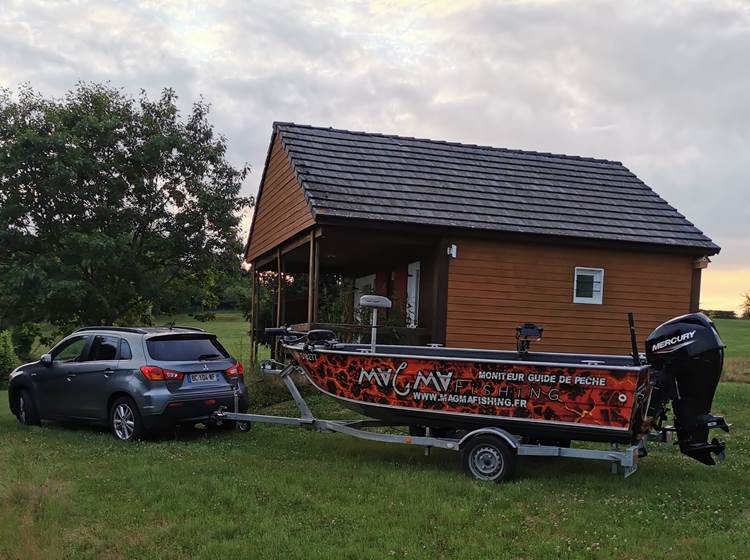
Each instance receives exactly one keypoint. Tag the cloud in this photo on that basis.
(661, 86)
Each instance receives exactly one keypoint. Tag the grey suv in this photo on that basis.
(132, 379)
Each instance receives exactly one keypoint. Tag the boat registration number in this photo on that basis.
(202, 377)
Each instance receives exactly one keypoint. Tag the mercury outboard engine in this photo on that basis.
(687, 355)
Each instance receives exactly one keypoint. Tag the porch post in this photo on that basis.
(312, 284)
(252, 314)
(255, 305)
(276, 351)
(279, 289)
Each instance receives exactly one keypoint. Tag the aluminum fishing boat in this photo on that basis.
(546, 398)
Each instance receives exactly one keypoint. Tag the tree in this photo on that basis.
(112, 207)
(745, 314)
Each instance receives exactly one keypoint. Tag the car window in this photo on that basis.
(70, 350)
(104, 348)
(125, 353)
(190, 348)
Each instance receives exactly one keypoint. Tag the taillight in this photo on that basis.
(155, 373)
(235, 371)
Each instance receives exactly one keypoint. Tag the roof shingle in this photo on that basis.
(369, 176)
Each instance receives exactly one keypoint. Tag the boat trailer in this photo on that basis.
(488, 453)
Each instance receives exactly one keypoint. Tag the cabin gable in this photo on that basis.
(282, 210)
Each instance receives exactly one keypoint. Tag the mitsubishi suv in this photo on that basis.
(134, 380)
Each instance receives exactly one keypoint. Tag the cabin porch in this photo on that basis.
(315, 279)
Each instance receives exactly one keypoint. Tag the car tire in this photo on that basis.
(25, 406)
(489, 458)
(125, 420)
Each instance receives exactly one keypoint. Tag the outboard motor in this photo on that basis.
(687, 356)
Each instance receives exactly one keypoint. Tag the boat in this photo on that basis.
(544, 398)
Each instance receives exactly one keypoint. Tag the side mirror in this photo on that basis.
(46, 359)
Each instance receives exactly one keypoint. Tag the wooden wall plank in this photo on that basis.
(282, 210)
(495, 286)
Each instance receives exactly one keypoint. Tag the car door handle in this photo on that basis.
(108, 372)
(70, 376)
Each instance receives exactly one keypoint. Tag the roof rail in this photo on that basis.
(197, 329)
(110, 328)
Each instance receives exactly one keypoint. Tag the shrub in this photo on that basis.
(8, 358)
(23, 337)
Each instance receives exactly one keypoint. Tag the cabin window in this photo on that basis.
(588, 286)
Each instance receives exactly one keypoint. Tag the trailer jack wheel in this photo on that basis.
(488, 458)
(243, 426)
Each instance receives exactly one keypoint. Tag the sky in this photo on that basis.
(663, 86)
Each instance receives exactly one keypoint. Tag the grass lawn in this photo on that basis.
(282, 492)
(736, 335)
(285, 493)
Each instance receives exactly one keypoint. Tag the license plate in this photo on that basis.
(202, 377)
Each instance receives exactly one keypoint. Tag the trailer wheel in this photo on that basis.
(489, 458)
(243, 426)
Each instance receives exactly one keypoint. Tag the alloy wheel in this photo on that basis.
(123, 421)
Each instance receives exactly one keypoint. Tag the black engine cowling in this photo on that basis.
(687, 356)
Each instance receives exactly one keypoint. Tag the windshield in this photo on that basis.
(191, 348)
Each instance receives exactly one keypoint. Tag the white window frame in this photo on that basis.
(598, 297)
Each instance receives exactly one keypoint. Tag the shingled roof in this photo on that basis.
(364, 176)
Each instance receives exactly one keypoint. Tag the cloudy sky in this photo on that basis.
(662, 86)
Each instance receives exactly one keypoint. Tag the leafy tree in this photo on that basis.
(746, 306)
(112, 207)
(719, 314)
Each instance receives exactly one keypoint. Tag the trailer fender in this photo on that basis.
(499, 432)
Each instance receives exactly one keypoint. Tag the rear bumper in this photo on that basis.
(193, 410)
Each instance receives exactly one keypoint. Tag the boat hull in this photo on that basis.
(546, 401)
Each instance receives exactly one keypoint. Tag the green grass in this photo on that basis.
(736, 335)
(286, 493)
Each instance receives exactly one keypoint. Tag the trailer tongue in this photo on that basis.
(495, 405)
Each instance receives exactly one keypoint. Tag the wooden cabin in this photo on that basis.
(469, 241)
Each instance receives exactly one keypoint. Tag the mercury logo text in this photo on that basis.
(674, 340)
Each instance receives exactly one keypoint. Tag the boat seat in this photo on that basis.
(320, 335)
(374, 301)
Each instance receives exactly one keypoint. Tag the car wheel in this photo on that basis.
(125, 420)
(26, 408)
(489, 458)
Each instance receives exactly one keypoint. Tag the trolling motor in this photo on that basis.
(525, 335)
(687, 355)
